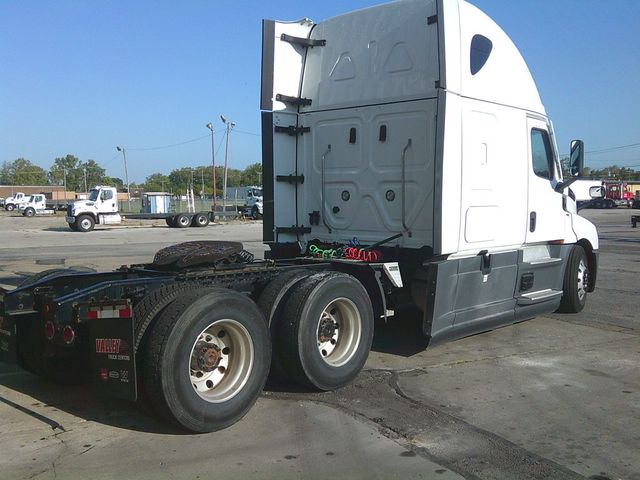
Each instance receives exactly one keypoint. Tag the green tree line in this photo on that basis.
(80, 175)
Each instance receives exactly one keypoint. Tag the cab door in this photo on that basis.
(546, 215)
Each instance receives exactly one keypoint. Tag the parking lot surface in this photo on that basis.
(553, 397)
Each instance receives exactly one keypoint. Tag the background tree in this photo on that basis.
(74, 174)
(22, 172)
(252, 175)
(157, 182)
(5, 173)
(94, 173)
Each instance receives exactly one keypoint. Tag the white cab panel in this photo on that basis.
(387, 53)
(494, 182)
(282, 62)
(359, 179)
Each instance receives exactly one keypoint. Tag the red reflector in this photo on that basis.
(49, 330)
(92, 314)
(124, 313)
(68, 335)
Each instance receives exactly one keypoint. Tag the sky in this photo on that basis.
(82, 77)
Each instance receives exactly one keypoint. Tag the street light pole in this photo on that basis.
(213, 164)
(126, 173)
(229, 126)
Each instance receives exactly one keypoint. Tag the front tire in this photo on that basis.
(85, 223)
(10, 207)
(207, 359)
(576, 277)
(327, 330)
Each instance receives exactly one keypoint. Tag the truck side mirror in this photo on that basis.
(576, 159)
(596, 192)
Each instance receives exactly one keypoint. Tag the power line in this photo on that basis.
(168, 146)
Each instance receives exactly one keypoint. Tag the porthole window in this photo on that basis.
(480, 50)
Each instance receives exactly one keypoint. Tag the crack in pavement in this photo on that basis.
(376, 398)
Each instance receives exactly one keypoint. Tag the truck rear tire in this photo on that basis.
(271, 303)
(574, 287)
(85, 223)
(182, 221)
(29, 212)
(10, 207)
(200, 220)
(207, 359)
(327, 330)
(170, 222)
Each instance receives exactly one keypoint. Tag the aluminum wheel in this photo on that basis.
(583, 275)
(339, 331)
(221, 360)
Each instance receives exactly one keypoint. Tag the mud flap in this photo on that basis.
(8, 350)
(113, 364)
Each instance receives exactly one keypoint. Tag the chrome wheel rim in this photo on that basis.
(582, 280)
(85, 224)
(338, 332)
(221, 361)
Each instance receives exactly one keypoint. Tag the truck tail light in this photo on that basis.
(68, 335)
(49, 330)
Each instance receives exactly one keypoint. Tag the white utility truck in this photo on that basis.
(101, 207)
(393, 140)
(14, 201)
(254, 202)
(36, 205)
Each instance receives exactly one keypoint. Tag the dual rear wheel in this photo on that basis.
(205, 353)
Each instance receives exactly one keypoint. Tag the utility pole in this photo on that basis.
(126, 173)
(202, 177)
(229, 126)
(213, 164)
(85, 180)
(64, 176)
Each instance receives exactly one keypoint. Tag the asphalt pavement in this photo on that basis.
(554, 397)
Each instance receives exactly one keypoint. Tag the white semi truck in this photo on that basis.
(393, 140)
(254, 202)
(14, 201)
(36, 205)
(101, 208)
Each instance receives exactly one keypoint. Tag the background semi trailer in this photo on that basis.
(373, 197)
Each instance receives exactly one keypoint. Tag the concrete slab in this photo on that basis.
(575, 403)
(278, 439)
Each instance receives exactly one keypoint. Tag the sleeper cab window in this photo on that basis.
(541, 153)
(480, 50)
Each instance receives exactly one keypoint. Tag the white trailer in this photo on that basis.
(393, 140)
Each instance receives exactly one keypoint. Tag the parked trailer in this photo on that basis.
(383, 184)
